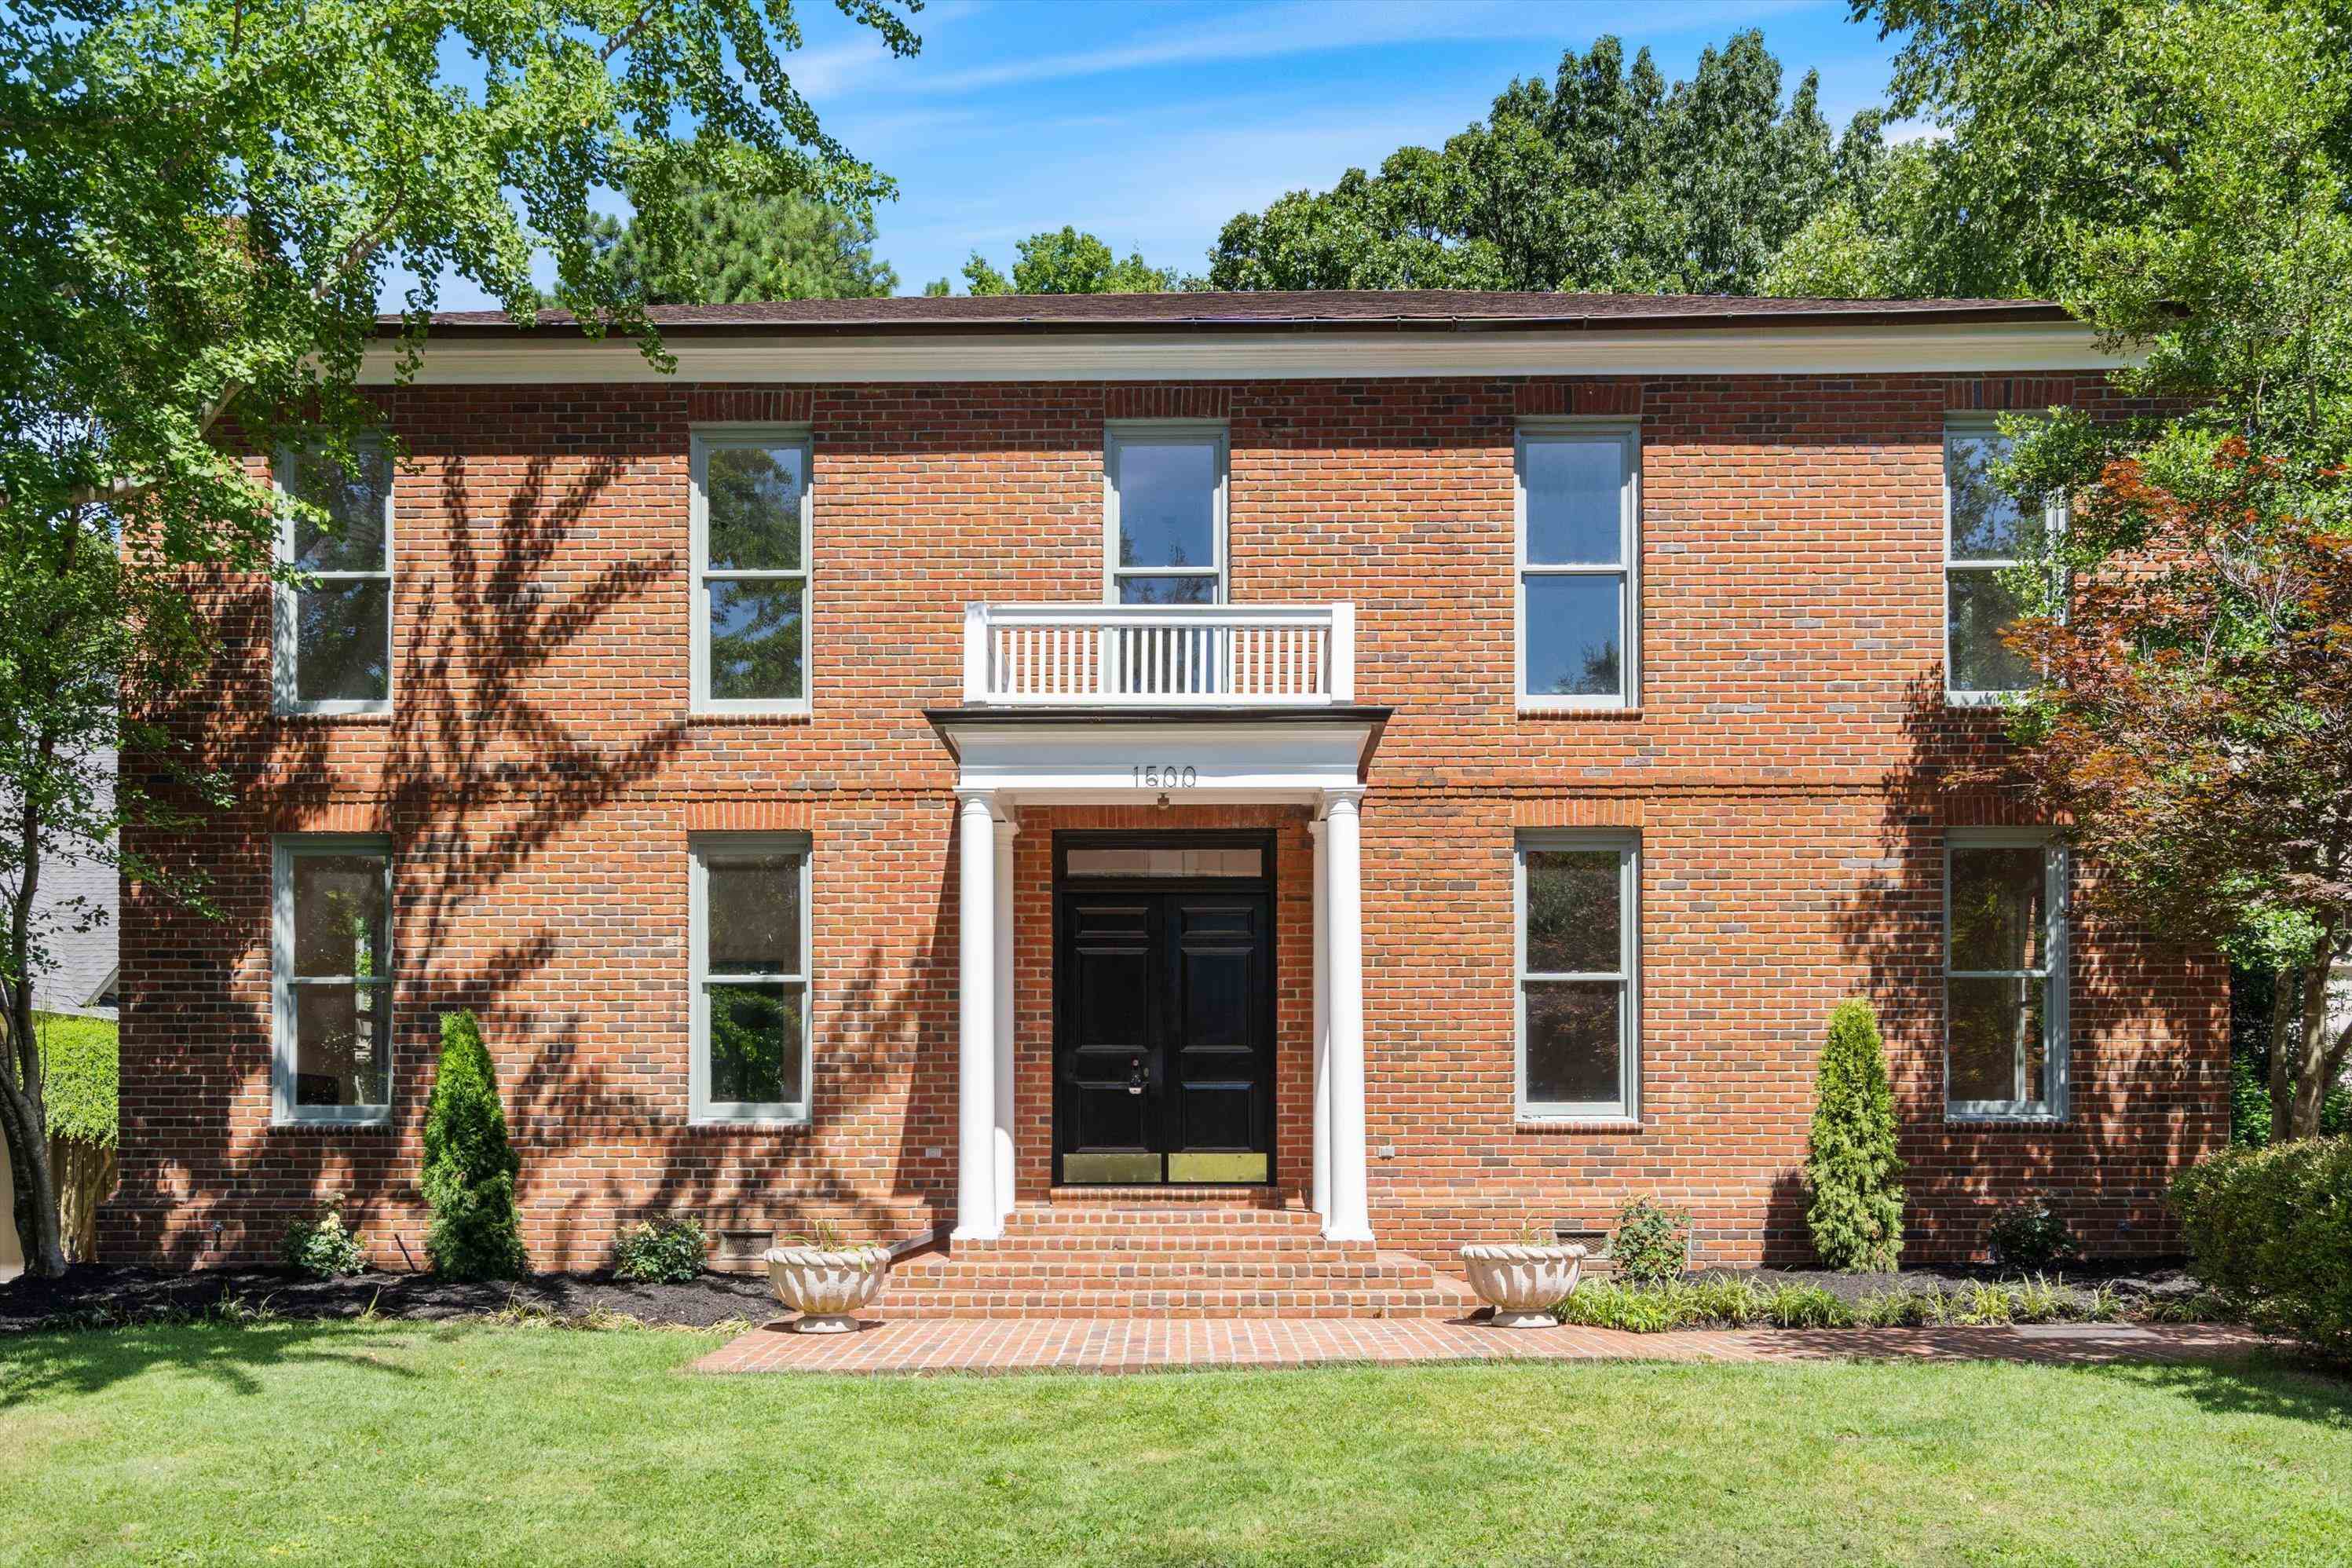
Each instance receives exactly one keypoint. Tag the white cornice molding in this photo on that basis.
(1229, 356)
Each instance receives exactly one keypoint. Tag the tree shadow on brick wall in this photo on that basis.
(2134, 1115)
(479, 777)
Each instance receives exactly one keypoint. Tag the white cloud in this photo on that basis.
(1309, 26)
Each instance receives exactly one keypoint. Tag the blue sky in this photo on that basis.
(1151, 122)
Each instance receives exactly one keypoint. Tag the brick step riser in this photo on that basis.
(1179, 1304)
(1240, 1225)
(1064, 1246)
(1115, 1279)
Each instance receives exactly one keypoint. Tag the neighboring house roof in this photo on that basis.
(1352, 310)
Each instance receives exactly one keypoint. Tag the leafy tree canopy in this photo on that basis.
(1066, 261)
(1606, 178)
(733, 248)
(2180, 174)
(200, 204)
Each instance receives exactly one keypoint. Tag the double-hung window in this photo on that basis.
(751, 941)
(331, 971)
(1578, 959)
(333, 642)
(751, 511)
(2004, 976)
(1164, 514)
(1986, 534)
(1578, 610)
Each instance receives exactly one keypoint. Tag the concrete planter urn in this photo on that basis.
(1524, 1284)
(826, 1285)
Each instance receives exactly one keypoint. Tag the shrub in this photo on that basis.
(2270, 1231)
(1651, 1243)
(1851, 1174)
(80, 1064)
(322, 1246)
(470, 1166)
(2029, 1234)
(666, 1250)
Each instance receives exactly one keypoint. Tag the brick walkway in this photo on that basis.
(1150, 1344)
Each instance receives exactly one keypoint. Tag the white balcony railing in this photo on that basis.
(1176, 655)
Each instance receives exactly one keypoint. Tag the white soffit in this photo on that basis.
(495, 360)
(1073, 760)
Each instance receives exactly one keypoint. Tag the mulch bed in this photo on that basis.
(97, 1295)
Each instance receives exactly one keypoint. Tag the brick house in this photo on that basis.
(1342, 775)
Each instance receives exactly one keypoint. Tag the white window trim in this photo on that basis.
(703, 440)
(1627, 435)
(285, 640)
(1121, 434)
(2054, 519)
(285, 850)
(1627, 1107)
(702, 849)
(2056, 976)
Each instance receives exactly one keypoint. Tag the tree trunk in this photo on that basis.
(86, 1175)
(23, 1123)
(2313, 1058)
(2286, 1012)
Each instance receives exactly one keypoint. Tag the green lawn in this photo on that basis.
(406, 1443)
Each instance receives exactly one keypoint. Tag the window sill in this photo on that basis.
(1539, 1125)
(1998, 1119)
(1996, 701)
(723, 1124)
(332, 1124)
(1588, 714)
(329, 715)
(781, 716)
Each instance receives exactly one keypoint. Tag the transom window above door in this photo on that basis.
(751, 570)
(1164, 514)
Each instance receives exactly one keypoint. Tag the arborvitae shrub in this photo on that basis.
(470, 1166)
(1852, 1176)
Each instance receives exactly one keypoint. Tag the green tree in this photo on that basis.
(2182, 175)
(470, 1165)
(1852, 1178)
(734, 248)
(202, 204)
(1065, 261)
(1604, 179)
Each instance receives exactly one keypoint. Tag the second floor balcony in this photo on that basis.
(1158, 656)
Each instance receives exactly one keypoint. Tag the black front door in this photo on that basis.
(1164, 1034)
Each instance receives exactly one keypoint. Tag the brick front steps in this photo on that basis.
(1195, 1255)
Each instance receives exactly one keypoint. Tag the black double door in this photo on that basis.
(1163, 1034)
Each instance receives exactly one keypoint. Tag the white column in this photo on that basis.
(1321, 1191)
(1007, 824)
(977, 1216)
(1350, 1217)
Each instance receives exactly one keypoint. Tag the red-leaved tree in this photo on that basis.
(2193, 723)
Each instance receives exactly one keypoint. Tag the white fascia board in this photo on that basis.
(787, 359)
(1076, 761)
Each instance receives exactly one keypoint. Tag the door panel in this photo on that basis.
(1108, 969)
(1169, 991)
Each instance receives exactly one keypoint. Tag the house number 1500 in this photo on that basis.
(1167, 778)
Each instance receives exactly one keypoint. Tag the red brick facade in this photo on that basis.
(539, 774)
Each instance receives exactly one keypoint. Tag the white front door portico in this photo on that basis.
(1195, 748)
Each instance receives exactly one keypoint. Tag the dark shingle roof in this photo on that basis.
(1403, 309)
